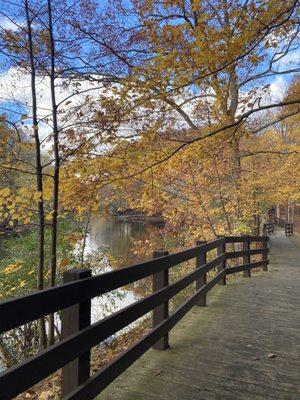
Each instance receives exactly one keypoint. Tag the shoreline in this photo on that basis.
(139, 218)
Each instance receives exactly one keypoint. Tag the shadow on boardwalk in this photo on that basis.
(224, 351)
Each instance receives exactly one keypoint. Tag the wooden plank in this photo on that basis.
(241, 239)
(75, 319)
(222, 266)
(160, 313)
(247, 258)
(265, 255)
(239, 268)
(200, 261)
(242, 253)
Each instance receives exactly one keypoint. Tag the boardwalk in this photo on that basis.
(244, 345)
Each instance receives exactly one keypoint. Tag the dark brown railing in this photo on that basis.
(269, 228)
(72, 353)
(288, 226)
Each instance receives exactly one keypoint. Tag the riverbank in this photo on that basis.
(140, 218)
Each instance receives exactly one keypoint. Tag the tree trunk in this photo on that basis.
(39, 172)
(54, 221)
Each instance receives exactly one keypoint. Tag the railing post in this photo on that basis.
(289, 229)
(220, 250)
(74, 319)
(201, 260)
(265, 255)
(160, 280)
(246, 258)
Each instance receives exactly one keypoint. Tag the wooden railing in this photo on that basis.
(288, 226)
(289, 229)
(72, 353)
(269, 228)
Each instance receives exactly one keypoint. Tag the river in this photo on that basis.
(120, 238)
(125, 242)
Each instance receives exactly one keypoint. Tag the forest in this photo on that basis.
(183, 110)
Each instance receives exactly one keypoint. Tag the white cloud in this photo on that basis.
(15, 86)
(278, 88)
(291, 59)
(15, 95)
(5, 23)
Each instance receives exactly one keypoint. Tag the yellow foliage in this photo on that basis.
(49, 216)
(12, 268)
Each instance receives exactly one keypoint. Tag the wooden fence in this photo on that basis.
(72, 353)
(288, 226)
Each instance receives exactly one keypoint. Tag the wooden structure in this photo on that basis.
(288, 226)
(269, 228)
(72, 353)
(289, 229)
(243, 346)
(290, 213)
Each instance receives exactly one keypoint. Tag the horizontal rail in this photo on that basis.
(242, 239)
(108, 374)
(236, 254)
(23, 309)
(24, 375)
(239, 268)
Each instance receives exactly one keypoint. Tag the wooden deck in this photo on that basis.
(244, 345)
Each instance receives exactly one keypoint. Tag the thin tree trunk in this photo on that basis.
(39, 173)
(54, 222)
(201, 203)
(86, 230)
(230, 109)
(221, 196)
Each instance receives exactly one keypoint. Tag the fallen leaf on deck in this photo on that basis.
(157, 372)
(45, 395)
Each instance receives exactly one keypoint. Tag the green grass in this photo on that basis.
(19, 258)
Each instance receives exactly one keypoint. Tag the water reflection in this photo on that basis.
(118, 237)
